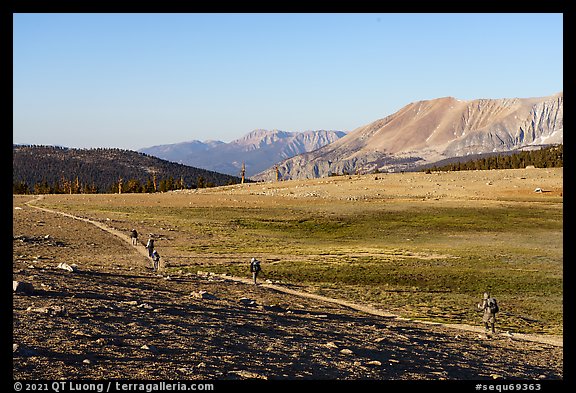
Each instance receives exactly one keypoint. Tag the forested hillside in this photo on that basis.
(547, 157)
(50, 169)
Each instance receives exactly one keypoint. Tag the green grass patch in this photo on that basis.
(418, 260)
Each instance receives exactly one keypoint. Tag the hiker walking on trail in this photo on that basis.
(156, 260)
(134, 237)
(490, 307)
(150, 246)
(255, 268)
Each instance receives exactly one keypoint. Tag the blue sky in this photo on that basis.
(136, 80)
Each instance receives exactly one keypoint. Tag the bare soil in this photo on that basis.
(113, 317)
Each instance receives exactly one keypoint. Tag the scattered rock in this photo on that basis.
(203, 295)
(82, 333)
(441, 374)
(537, 189)
(247, 301)
(248, 374)
(87, 361)
(53, 311)
(374, 363)
(22, 287)
(346, 351)
(331, 344)
(117, 341)
(23, 351)
(65, 266)
(274, 308)
(150, 348)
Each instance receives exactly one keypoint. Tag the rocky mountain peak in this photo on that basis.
(427, 131)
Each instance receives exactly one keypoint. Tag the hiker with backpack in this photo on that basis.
(150, 246)
(490, 307)
(134, 237)
(156, 260)
(255, 268)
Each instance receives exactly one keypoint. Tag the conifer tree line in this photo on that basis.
(548, 157)
(60, 170)
(66, 186)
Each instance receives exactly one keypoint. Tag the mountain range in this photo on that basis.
(428, 131)
(257, 150)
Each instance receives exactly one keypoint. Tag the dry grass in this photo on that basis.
(422, 245)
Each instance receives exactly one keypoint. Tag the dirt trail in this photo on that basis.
(550, 340)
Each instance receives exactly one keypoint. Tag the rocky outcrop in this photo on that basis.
(22, 287)
(428, 131)
(513, 125)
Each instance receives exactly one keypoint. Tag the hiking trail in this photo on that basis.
(543, 339)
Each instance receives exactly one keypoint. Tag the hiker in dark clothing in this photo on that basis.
(134, 237)
(156, 260)
(255, 268)
(490, 308)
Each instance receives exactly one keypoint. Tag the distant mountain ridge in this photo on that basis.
(424, 132)
(258, 150)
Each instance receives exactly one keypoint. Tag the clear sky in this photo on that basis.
(136, 80)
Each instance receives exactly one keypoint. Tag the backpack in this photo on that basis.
(255, 266)
(493, 305)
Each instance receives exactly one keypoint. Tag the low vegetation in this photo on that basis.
(419, 258)
(419, 263)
